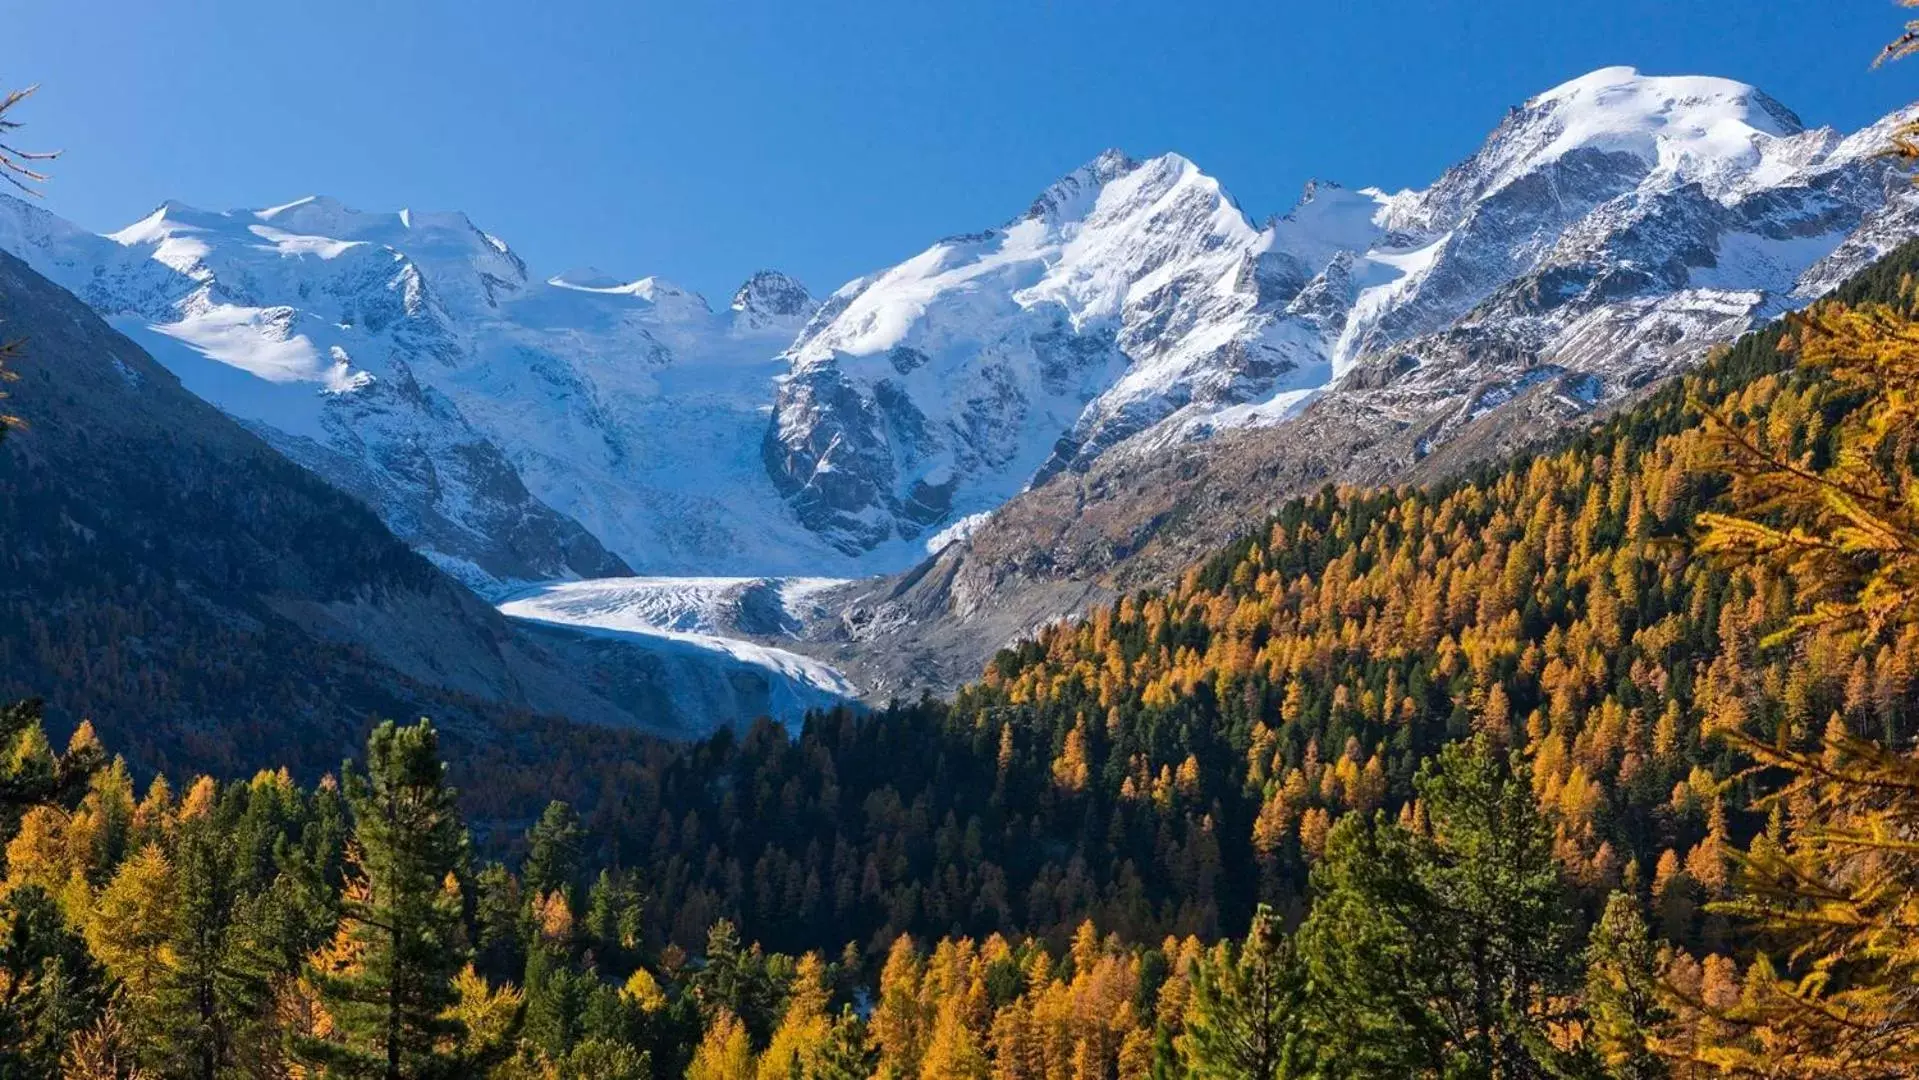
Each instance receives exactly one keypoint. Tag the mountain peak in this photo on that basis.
(772, 294)
(1111, 164)
(1628, 97)
(1682, 129)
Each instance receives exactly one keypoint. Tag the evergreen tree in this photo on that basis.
(733, 979)
(845, 1055)
(388, 985)
(615, 913)
(1445, 951)
(557, 999)
(500, 953)
(206, 995)
(51, 988)
(553, 851)
(1247, 1018)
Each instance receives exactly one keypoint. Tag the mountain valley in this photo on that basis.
(1013, 424)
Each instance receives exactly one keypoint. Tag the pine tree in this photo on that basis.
(51, 988)
(1248, 1014)
(500, 954)
(733, 980)
(389, 991)
(615, 912)
(845, 1056)
(553, 851)
(205, 994)
(557, 997)
(1445, 951)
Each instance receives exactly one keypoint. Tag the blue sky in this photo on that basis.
(701, 141)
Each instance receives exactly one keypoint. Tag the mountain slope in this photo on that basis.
(1170, 760)
(513, 430)
(1608, 234)
(211, 604)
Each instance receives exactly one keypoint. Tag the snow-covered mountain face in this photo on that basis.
(1608, 232)
(1616, 226)
(520, 430)
(1129, 290)
(515, 430)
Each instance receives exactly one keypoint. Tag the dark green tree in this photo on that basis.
(499, 953)
(51, 988)
(847, 1055)
(615, 910)
(206, 994)
(1248, 1017)
(553, 850)
(1445, 951)
(1622, 992)
(558, 995)
(734, 978)
(402, 917)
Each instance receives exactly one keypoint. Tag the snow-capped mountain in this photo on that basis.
(1606, 235)
(1608, 231)
(515, 430)
(944, 385)
(520, 429)
(1617, 225)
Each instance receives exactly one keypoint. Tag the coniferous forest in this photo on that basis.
(1595, 763)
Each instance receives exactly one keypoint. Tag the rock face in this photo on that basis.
(770, 298)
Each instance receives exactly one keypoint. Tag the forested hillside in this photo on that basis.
(1586, 765)
(1167, 763)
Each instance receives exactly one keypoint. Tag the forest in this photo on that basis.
(1592, 764)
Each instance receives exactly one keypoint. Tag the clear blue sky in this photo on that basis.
(701, 141)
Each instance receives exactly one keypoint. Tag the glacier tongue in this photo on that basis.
(711, 615)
